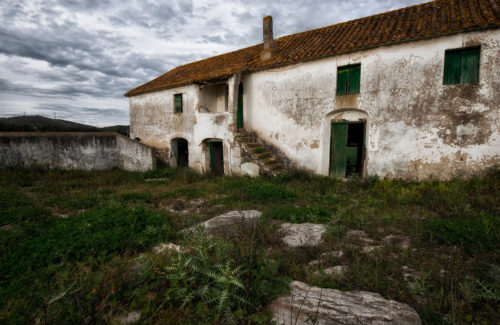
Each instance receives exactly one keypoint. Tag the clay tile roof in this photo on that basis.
(426, 20)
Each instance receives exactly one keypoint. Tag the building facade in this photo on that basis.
(409, 93)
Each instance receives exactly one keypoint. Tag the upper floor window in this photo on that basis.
(178, 103)
(461, 66)
(348, 79)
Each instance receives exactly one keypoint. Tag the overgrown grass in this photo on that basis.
(69, 243)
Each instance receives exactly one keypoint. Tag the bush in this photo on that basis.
(204, 274)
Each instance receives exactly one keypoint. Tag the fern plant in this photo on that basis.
(203, 274)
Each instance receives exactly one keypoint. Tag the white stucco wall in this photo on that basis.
(416, 126)
(152, 119)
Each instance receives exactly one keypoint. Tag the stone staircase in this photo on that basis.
(257, 151)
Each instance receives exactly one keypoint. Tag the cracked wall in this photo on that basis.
(153, 121)
(416, 126)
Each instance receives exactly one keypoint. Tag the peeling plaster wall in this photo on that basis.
(416, 126)
(74, 150)
(152, 119)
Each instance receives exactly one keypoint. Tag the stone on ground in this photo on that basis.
(230, 221)
(337, 270)
(250, 169)
(329, 306)
(302, 234)
(129, 318)
(163, 247)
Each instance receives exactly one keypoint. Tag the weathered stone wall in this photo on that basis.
(152, 119)
(74, 150)
(133, 155)
(416, 126)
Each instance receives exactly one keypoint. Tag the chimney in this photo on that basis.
(267, 29)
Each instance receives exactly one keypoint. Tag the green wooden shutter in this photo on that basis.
(470, 66)
(178, 103)
(239, 112)
(354, 79)
(338, 149)
(452, 67)
(342, 80)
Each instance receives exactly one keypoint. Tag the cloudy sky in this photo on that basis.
(75, 59)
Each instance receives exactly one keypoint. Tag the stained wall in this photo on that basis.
(416, 126)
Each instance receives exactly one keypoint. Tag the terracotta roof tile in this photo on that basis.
(426, 20)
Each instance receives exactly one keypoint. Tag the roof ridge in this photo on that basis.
(361, 18)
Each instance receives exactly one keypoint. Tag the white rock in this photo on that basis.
(229, 221)
(335, 254)
(163, 247)
(356, 234)
(250, 169)
(129, 318)
(335, 270)
(302, 234)
(369, 249)
(330, 306)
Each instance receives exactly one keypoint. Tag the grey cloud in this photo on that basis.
(103, 61)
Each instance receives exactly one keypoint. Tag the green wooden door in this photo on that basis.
(338, 152)
(216, 157)
(239, 112)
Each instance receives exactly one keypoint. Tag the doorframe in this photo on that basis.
(363, 147)
(210, 154)
(343, 115)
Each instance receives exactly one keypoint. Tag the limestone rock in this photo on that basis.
(250, 169)
(129, 318)
(369, 249)
(302, 234)
(163, 247)
(329, 306)
(334, 254)
(230, 221)
(337, 270)
(356, 234)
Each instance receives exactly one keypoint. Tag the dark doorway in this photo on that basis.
(347, 149)
(181, 152)
(239, 112)
(216, 157)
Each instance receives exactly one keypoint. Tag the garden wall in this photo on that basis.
(74, 150)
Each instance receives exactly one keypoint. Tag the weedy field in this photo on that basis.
(76, 247)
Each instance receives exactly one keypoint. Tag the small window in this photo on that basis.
(461, 66)
(348, 79)
(178, 103)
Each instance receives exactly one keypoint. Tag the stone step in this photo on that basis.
(270, 160)
(253, 145)
(259, 153)
(257, 149)
(262, 155)
(274, 166)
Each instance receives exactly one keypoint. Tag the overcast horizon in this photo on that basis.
(74, 60)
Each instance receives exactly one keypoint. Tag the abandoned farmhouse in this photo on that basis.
(408, 93)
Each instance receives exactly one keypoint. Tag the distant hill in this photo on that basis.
(37, 123)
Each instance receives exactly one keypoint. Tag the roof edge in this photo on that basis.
(127, 94)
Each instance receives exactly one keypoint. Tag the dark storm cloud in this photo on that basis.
(98, 49)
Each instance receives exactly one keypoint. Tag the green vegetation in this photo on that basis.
(76, 247)
(37, 123)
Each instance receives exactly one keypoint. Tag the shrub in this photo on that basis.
(203, 273)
